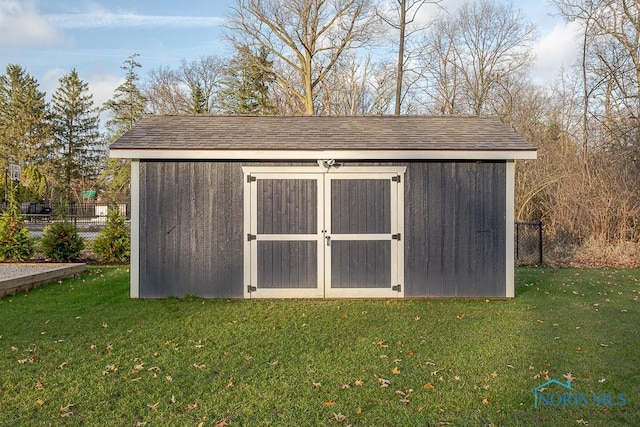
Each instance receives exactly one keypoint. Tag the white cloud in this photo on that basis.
(119, 20)
(556, 50)
(22, 27)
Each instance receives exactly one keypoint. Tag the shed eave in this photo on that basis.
(252, 155)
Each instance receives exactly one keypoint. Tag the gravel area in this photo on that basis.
(11, 271)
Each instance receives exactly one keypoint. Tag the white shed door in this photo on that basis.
(314, 234)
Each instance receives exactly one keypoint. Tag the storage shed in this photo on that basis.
(322, 206)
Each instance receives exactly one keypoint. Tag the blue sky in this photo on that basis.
(50, 37)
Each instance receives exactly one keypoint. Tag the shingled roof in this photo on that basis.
(320, 133)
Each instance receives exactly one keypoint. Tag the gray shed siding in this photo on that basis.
(191, 228)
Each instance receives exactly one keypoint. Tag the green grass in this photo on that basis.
(80, 352)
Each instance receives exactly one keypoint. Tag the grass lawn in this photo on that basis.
(80, 352)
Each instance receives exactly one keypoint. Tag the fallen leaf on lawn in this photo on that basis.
(169, 378)
(40, 402)
(486, 387)
(62, 365)
(14, 348)
(568, 376)
(274, 363)
(66, 407)
(39, 386)
(92, 346)
(358, 383)
(384, 356)
(109, 346)
(460, 316)
(456, 378)
(601, 380)
(199, 365)
(222, 423)
(382, 344)
(230, 383)
(485, 402)
(494, 374)
(173, 399)
(104, 325)
(583, 422)
(429, 386)
(247, 357)
(153, 368)
(330, 402)
(192, 406)
(395, 371)
(339, 417)
(411, 352)
(416, 318)
(383, 382)
(66, 414)
(316, 385)
(153, 407)
(345, 386)
(138, 368)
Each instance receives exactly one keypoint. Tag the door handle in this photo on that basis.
(328, 240)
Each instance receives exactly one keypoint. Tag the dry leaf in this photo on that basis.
(339, 417)
(345, 386)
(66, 407)
(109, 346)
(199, 365)
(230, 383)
(382, 344)
(428, 386)
(395, 371)
(154, 407)
(494, 374)
(568, 376)
(460, 316)
(39, 386)
(169, 378)
(66, 414)
(383, 382)
(173, 399)
(316, 385)
(14, 348)
(485, 402)
(330, 402)
(456, 378)
(192, 406)
(358, 383)
(40, 402)
(358, 410)
(222, 423)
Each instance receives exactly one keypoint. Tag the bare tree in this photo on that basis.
(172, 91)
(305, 36)
(483, 44)
(402, 17)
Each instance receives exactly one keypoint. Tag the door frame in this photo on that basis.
(323, 290)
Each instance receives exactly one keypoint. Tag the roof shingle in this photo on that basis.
(238, 133)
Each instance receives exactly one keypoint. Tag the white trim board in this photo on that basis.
(338, 155)
(135, 230)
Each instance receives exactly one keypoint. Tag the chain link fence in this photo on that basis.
(528, 243)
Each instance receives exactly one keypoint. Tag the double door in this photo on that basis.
(324, 234)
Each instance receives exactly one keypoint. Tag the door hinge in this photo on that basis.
(251, 178)
(251, 289)
(395, 178)
(251, 237)
(397, 237)
(396, 288)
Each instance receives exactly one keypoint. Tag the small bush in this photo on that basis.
(15, 244)
(61, 242)
(113, 242)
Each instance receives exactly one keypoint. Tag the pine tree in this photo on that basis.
(247, 85)
(198, 100)
(127, 106)
(77, 141)
(24, 118)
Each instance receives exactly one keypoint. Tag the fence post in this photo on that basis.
(540, 241)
